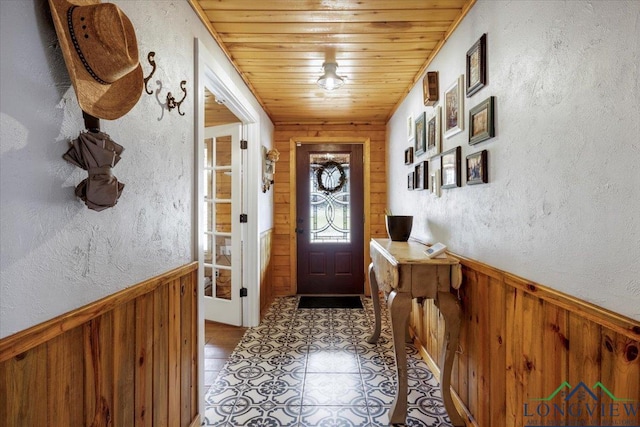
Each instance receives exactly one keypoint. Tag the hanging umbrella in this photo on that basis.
(96, 153)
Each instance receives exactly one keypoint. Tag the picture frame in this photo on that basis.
(434, 132)
(430, 88)
(411, 181)
(435, 183)
(481, 121)
(477, 66)
(453, 114)
(411, 132)
(420, 141)
(408, 156)
(422, 175)
(450, 170)
(477, 168)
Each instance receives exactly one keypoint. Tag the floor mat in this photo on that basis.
(330, 302)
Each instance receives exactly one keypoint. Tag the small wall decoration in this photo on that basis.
(481, 121)
(477, 168)
(477, 66)
(450, 171)
(422, 175)
(411, 181)
(430, 88)
(411, 131)
(454, 108)
(435, 183)
(434, 132)
(420, 143)
(408, 156)
(270, 157)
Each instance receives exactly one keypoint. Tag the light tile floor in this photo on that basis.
(313, 367)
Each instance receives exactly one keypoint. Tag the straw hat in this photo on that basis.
(101, 52)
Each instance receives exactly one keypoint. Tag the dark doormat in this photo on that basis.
(330, 302)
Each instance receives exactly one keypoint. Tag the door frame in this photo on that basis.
(210, 73)
(366, 157)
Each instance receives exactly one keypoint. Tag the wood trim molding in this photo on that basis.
(293, 242)
(614, 321)
(609, 319)
(27, 339)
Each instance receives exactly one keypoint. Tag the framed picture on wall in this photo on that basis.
(477, 66)
(410, 128)
(420, 143)
(411, 181)
(450, 170)
(434, 132)
(453, 118)
(477, 168)
(430, 88)
(422, 175)
(481, 125)
(408, 156)
(435, 183)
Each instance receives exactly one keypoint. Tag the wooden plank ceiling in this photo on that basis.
(381, 46)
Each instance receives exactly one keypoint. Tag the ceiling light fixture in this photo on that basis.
(330, 80)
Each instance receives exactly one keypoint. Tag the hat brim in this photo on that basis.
(108, 102)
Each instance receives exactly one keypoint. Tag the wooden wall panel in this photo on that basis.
(521, 341)
(266, 271)
(127, 360)
(283, 283)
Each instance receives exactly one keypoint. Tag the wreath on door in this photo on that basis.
(327, 167)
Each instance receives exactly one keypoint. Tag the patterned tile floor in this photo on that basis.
(313, 367)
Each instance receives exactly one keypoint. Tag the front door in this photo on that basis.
(330, 218)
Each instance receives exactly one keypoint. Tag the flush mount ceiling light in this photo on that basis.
(330, 80)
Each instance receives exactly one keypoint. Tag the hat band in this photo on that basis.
(78, 50)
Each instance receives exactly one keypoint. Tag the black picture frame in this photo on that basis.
(422, 175)
(481, 121)
(420, 141)
(477, 172)
(450, 170)
(476, 77)
(408, 156)
(411, 181)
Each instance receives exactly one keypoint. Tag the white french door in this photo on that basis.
(220, 230)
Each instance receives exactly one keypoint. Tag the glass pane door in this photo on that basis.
(221, 262)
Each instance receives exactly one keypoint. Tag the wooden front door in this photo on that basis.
(330, 218)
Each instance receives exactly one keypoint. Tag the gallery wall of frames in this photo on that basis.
(435, 170)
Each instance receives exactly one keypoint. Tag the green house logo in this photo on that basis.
(583, 405)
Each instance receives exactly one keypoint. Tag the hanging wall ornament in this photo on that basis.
(325, 174)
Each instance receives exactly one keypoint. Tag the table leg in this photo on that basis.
(399, 309)
(375, 299)
(452, 313)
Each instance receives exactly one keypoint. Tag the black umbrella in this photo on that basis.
(96, 153)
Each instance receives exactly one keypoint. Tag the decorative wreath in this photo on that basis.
(328, 165)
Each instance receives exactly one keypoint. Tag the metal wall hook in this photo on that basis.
(171, 101)
(150, 57)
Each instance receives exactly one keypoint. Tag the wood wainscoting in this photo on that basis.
(129, 359)
(521, 341)
(266, 271)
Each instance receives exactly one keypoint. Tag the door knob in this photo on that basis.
(299, 230)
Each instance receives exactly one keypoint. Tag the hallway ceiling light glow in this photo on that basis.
(330, 80)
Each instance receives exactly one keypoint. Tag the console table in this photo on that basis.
(404, 271)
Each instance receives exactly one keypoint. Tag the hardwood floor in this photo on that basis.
(220, 340)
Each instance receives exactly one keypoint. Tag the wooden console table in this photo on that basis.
(404, 272)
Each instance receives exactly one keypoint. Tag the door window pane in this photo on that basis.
(330, 211)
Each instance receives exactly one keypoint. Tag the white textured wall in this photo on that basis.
(564, 167)
(56, 255)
